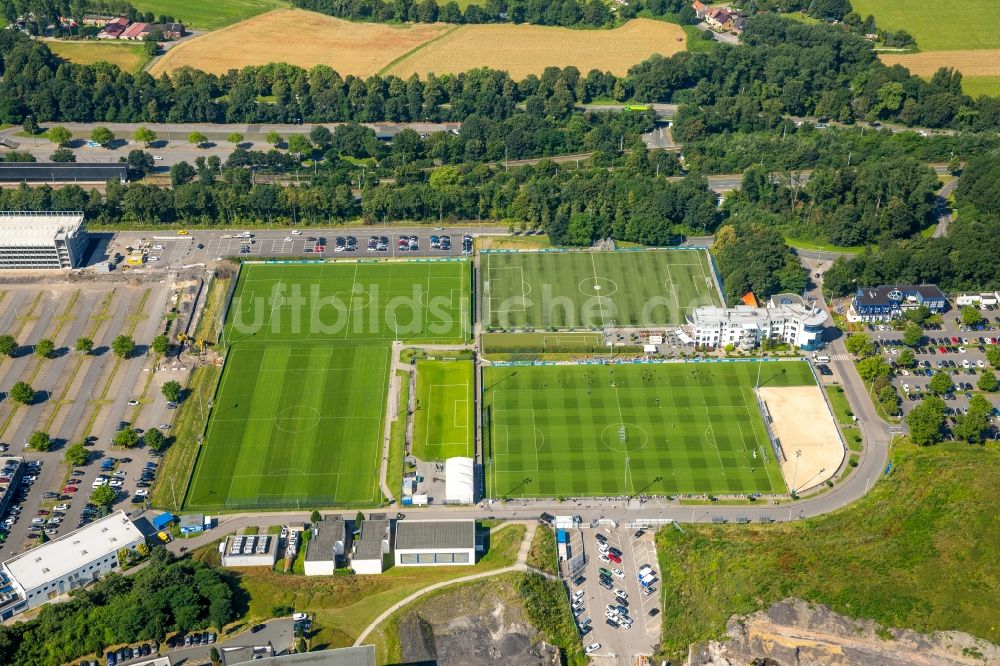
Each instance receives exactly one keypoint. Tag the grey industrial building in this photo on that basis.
(61, 173)
(41, 240)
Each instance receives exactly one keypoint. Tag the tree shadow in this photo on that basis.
(100, 351)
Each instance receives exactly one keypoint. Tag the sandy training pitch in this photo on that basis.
(804, 426)
(302, 38)
(984, 62)
(306, 39)
(529, 49)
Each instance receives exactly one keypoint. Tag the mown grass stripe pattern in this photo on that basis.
(689, 428)
(444, 423)
(557, 289)
(298, 417)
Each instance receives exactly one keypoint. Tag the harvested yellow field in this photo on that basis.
(529, 49)
(984, 62)
(128, 57)
(302, 38)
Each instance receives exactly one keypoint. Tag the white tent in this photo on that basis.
(459, 481)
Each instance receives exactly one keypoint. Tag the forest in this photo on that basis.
(963, 260)
(165, 597)
(808, 69)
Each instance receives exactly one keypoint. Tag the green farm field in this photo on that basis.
(938, 25)
(592, 289)
(566, 430)
(977, 86)
(444, 423)
(208, 15)
(298, 416)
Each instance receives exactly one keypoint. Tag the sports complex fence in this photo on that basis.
(775, 443)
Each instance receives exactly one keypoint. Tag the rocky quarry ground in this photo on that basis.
(796, 633)
(474, 624)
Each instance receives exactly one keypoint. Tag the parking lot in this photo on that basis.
(949, 347)
(342, 244)
(78, 397)
(621, 635)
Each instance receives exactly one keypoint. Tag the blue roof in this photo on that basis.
(162, 520)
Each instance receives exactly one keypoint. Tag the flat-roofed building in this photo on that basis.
(41, 240)
(435, 542)
(250, 550)
(326, 546)
(796, 323)
(68, 562)
(59, 173)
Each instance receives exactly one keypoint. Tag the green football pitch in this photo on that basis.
(593, 289)
(444, 423)
(297, 420)
(414, 301)
(567, 430)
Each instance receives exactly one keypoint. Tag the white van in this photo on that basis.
(822, 359)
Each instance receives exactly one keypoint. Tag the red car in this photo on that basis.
(954, 341)
(942, 350)
(70, 489)
(614, 558)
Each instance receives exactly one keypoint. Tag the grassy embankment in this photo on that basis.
(919, 551)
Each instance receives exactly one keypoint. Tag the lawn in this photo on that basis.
(413, 301)
(128, 57)
(938, 24)
(591, 289)
(444, 423)
(298, 416)
(918, 552)
(344, 605)
(294, 426)
(543, 342)
(567, 430)
(208, 15)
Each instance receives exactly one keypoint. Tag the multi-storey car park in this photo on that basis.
(41, 240)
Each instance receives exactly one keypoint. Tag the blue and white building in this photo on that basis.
(891, 301)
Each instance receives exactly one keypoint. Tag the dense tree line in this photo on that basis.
(807, 69)
(963, 260)
(165, 597)
(587, 13)
(752, 256)
(871, 202)
(631, 201)
(788, 147)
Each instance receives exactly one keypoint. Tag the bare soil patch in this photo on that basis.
(300, 38)
(804, 425)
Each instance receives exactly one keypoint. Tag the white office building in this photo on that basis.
(68, 562)
(787, 318)
(41, 240)
(435, 542)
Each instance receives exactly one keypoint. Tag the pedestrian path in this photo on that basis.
(519, 565)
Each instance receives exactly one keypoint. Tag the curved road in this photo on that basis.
(519, 565)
